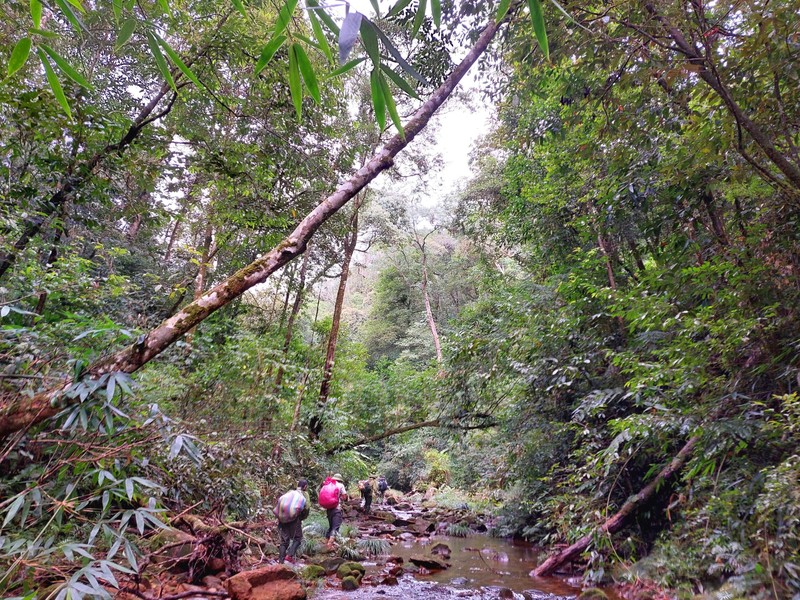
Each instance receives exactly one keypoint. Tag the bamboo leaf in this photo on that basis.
(161, 62)
(319, 35)
(67, 68)
(323, 16)
(284, 16)
(307, 71)
(502, 10)
(14, 508)
(398, 57)
(70, 14)
(397, 8)
(55, 85)
(400, 82)
(295, 88)
(370, 40)
(376, 7)
(116, 5)
(110, 389)
(436, 12)
(48, 34)
(240, 7)
(537, 18)
(78, 5)
(346, 67)
(391, 106)
(419, 18)
(19, 55)
(176, 59)
(36, 13)
(164, 4)
(348, 34)
(378, 100)
(125, 33)
(268, 52)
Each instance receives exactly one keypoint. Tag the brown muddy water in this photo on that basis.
(481, 567)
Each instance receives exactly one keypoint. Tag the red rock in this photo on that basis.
(274, 582)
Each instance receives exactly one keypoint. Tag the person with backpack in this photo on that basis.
(331, 494)
(365, 487)
(383, 485)
(292, 508)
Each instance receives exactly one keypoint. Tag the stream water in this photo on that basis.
(481, 567)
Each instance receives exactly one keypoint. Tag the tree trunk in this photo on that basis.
(350, 241)
(172, 237)
(428, 312)
(616, 522)
(298, 403)
(22, 412)
(202, 270)
(298, 304)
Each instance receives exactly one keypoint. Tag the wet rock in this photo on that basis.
(349, 583)
(389, 580)
(495, 555)
(428, 563)
(396, 571)
(398, 522)
(398, 560)
(215, 565)
(505, 593)
(592, 593)
(274, 582)
(332, 564)
(460, 581)
(441, 549)
(313, 572)
(351, 569)
(407, 536)
(210, 581)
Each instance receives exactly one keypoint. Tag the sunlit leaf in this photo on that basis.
(537, 18)
(378, 101)
(319, 35)
(55, 84)
(268, 51)
(419, 18)
(77, 4)
(307, 71)
(502, 9)
(391, 106)
(240, 7)
(36, 13)
(70, 14)
(178, 62)
(164, 4)
(348, 34)
(161, 62)
(284, 16)
(125, 33)
(295, 87)
(67, 68)
(19, 55)
(400, 82)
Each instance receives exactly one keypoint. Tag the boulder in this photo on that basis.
(429, 563)
(592, 593)
(331, 565)
(389, 580)
(313, 572)
(351, 569)
(398, 522)
(441, 549)
(274, 582)
(349, 583)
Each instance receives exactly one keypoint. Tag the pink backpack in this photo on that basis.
(329, 494)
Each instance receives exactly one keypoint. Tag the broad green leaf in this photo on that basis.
(400, 82)
(42, 32)
(70, 14)
(319, 35)
(110, 389)
(18, 56)
(391, 106)
(116, 5)
(378, 101)
(348, 34)
(55, 85)
(323, 16)
(436, 12)
(161, 62)
(307, 71)
(77, 4)
(295, 87)
(268, 51)
(67, 68)
(14, 508)
(397, 8)
(173, 56)
(36, 13)
(129, 488)
(419, 18)
(346, 67)
(164, 4)
(284, 16)
(395, 53)
(125, 33)
(535, 7)
(502, 9)
(240, 7)
(370, 40)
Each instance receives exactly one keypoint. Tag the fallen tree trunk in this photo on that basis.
(616, 522)
(23, 412)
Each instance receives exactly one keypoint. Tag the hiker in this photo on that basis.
(366, 488)
(292, 508)
(383, 485)
(331, 494)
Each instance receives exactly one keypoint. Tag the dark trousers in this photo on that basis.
(367, 501)
(335, 519)
(291, 536)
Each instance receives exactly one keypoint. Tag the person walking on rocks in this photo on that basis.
(330, 496)
(383, 485)
(292, 508)
(365, 487)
